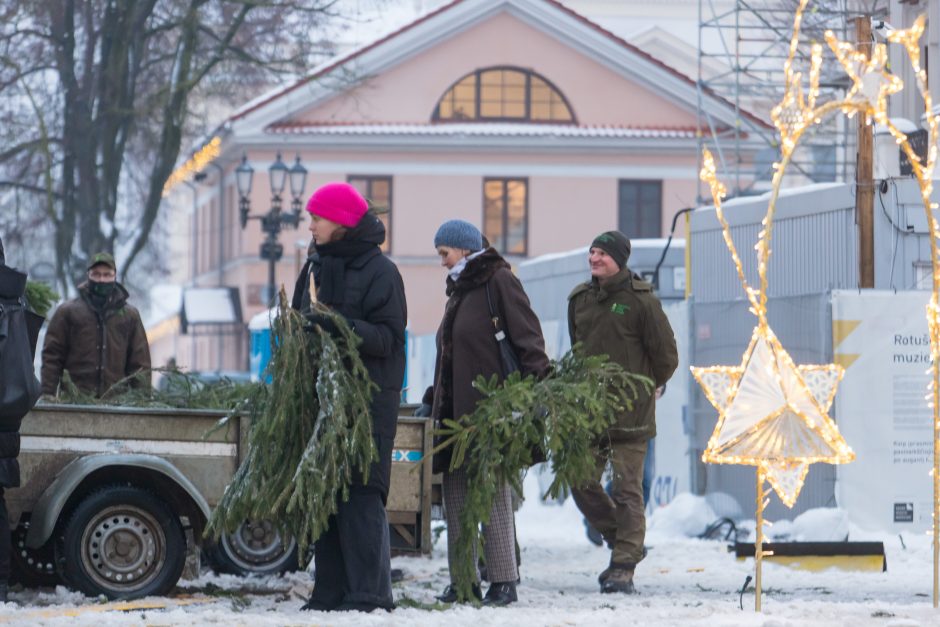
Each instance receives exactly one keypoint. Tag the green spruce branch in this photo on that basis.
(40, 297)
(310, 434)
(564, 415)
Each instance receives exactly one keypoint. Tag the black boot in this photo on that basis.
(4, 590)
(352, 606)
(316, 605)
(501, 593)
(450, 594)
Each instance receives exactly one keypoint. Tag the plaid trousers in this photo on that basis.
(499, 535)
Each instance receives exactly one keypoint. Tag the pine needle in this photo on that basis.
(310, 435)
(564, 415)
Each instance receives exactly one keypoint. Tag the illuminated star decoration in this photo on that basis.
(773, 413)
(872, 84)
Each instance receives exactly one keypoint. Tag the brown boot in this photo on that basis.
(618, 580)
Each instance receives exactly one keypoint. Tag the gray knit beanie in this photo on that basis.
(459, 234)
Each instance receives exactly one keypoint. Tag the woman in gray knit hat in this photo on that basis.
(466, 349)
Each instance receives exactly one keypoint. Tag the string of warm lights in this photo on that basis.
(872, 84)
(197, 163)
(775, 380)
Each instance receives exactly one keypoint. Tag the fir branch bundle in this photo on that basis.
(180, 390)
(310, 433)
(564, 415)
(40, 297)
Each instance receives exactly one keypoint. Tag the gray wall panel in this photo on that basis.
(720, 333)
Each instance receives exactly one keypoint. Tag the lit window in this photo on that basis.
(505, 214)
(503, 94)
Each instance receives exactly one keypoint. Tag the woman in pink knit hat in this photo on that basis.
(351, 275)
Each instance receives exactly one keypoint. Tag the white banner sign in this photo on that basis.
(881, 340)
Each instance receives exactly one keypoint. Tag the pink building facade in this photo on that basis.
(519, 116)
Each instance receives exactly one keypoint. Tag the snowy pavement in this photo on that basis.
(683, 581)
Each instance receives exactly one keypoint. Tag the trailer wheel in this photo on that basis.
(255, 548)
(32, 568)
(123, 542)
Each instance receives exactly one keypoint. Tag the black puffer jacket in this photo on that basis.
(19, 388)
(372, 298)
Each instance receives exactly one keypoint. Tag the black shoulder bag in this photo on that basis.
(509, 360)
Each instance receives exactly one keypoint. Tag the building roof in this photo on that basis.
(498, 129)
(410, 32)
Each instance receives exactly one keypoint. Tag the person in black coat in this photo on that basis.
(353, 277)
(19, 391)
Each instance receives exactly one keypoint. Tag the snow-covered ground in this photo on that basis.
(683, 581)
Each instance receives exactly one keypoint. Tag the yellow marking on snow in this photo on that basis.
(117, 606)
(819, 563)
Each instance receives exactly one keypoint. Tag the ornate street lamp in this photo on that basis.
(298, 180)
(274, 220)
(243, 176)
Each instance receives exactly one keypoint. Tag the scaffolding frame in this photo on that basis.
(742, 47)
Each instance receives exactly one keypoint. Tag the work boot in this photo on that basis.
(450, 594)
(603, 576)
(618, 580)
(501, 593)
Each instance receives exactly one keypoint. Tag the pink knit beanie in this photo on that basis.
(338, 202)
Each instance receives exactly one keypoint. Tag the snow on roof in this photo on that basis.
(210, 305)
(657, 243)
(494, 129)
(262, 320)
(337, 62)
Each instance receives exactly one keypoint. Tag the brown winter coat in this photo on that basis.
(97, 348)
(623, 319)
(466, 343)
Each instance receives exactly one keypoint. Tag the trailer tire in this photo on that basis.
(124, 543)
(255, 548)
(31, 568)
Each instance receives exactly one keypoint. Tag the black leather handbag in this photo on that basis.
(509, 360)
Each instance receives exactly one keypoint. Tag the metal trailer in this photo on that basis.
(814, 251)
(113, 499)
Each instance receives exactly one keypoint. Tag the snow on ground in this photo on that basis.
(683, 581)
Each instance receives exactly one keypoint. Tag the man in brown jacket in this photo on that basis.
(617, 314)
(97, 337)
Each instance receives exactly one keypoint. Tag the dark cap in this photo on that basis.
(102, 259)
(615, 244)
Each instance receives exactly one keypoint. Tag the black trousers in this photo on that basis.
(352, 559)
(6, 546)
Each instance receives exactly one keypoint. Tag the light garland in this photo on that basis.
(195, 164)
(773, 413)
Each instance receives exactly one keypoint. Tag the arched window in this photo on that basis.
(504, 94)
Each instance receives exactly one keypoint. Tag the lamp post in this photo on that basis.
(274, 220)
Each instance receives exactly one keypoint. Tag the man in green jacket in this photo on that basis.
(617, 314)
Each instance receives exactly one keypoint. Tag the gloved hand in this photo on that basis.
(424, 411)
(316, 319)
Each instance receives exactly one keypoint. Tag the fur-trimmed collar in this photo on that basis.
(478, 271)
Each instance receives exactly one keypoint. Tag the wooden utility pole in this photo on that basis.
(864, 183)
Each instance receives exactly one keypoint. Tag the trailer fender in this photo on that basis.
(54, 499)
